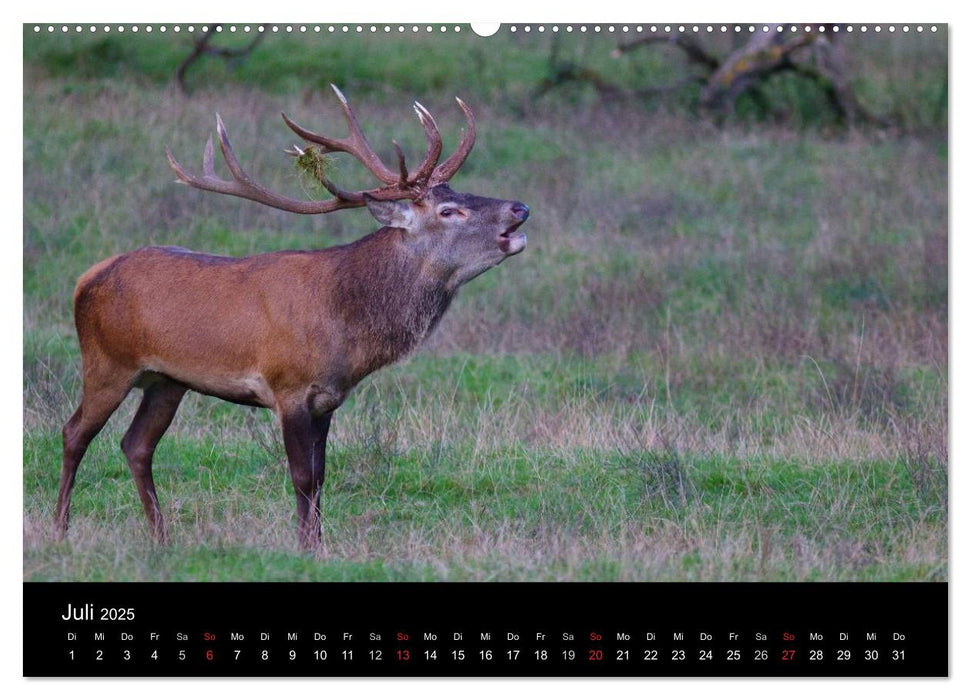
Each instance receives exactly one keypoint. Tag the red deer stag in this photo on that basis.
(292, 331)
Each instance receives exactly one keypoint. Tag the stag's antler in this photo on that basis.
(397, 185)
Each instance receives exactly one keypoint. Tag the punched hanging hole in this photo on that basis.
(485, 28)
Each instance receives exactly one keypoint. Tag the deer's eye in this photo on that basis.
(446, 212)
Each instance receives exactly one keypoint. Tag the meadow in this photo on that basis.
(723, 355)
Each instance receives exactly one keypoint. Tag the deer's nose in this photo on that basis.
(520, 211)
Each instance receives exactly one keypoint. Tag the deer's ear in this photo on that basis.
(396, 213)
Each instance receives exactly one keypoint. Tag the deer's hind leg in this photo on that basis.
(104, 388)
(160, 401)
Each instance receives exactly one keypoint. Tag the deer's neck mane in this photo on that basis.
(389, 298)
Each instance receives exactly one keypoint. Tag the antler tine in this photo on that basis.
(242, 186)
(352, 198)
(434, 138)
(448, 167)
(355, 144)
(402, 168)
(207, 167)
(181, 176)
(229, 155)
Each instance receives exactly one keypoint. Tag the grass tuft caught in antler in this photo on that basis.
(313, 164)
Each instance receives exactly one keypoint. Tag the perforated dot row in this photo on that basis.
(246, 29)
(441, 28)
(718, 28)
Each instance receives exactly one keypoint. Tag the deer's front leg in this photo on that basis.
(305, 440)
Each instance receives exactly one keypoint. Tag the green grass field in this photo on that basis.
(723, 355)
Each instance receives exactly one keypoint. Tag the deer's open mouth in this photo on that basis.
(511, 242)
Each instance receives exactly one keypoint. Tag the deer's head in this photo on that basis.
(461, 235)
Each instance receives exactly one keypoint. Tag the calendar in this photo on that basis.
(526, 349)
(463, 629)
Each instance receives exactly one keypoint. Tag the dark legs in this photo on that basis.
(305, 440)
(159, 404)
(101, 395)
(103, 392)
(304, 437)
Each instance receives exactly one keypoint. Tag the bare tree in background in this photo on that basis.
(813, 54)
(203, 46)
